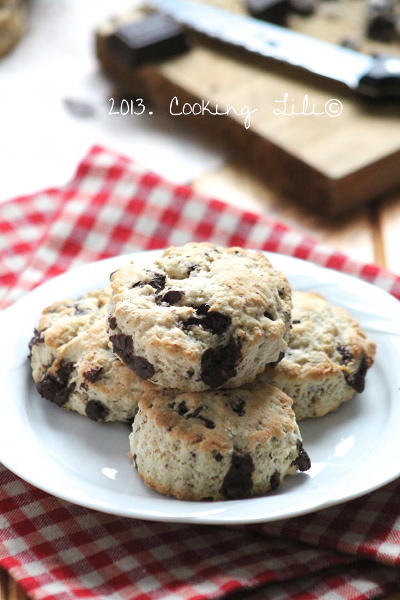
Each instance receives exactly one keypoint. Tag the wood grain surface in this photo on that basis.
(337, 161)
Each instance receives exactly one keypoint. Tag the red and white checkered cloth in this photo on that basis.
(57, 550)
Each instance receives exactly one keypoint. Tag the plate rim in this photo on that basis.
(204, 513)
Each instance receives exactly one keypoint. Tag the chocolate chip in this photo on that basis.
(238, 481)
(138, 284)
(123, 347)
(35, 341)
(218, 364)
(296, 322)
(357, 382)
(56, 389)
(280, 357)
(302, 462)
(112, 322)
(217, 455)
(96, 410)
(134, 457)
(275, 480)
(92, 374)
(158, 281)
(190, 373)
(238, 407)
(172, 297)
(346, 354)
(112, 273)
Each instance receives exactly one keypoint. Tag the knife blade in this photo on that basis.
(370, 76)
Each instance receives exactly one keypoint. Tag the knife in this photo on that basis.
(371, 76)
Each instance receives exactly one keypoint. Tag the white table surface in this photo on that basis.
(41, 141)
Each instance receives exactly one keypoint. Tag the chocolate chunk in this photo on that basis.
(56, 389)
(275, 480)
(296, 322)
(280, 357)
(195, 413)
(306, 8)
(134, 457)
(238, 407)
(123, 347)
(158, 281)
(35, 341)
(206, 422)
(192, 268)
(202, 309)
(269, 316)
(142, 367)
(112, 273)
(346, 354)
(302, 462)
(212, 321)
(138, 284)
(357, 382)
(182, 408)
(64, 371)
(238, 481)
(156, 37)
(172, 297)
(92, 374)
(273, 11)
(382, 27)
(96, 410)
(112, 322)
(218, 364)
(217, 455)
(190, 373)
(53, 390)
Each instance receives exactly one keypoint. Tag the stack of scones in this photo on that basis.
(212, 358)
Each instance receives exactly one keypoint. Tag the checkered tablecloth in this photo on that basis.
(67, 552)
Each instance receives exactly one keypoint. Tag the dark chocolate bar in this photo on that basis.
(154, 38)
(273, 11)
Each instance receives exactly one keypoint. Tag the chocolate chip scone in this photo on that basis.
(216, 444)
(200, 317)
(73, 365)
(327, 358)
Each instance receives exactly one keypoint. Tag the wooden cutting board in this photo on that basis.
(330, 163)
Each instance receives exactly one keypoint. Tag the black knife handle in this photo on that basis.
(383, 81)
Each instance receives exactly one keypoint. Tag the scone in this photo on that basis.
(327, 358)
(73, 365)
(217, 444)
(200, 317)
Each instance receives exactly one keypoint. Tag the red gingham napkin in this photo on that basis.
(59, 550)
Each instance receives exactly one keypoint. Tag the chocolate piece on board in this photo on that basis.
(273, 11)
(382, 27)
(151, 39)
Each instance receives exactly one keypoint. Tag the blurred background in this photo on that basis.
(335, 177)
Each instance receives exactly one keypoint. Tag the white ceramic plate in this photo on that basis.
(353, 451)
